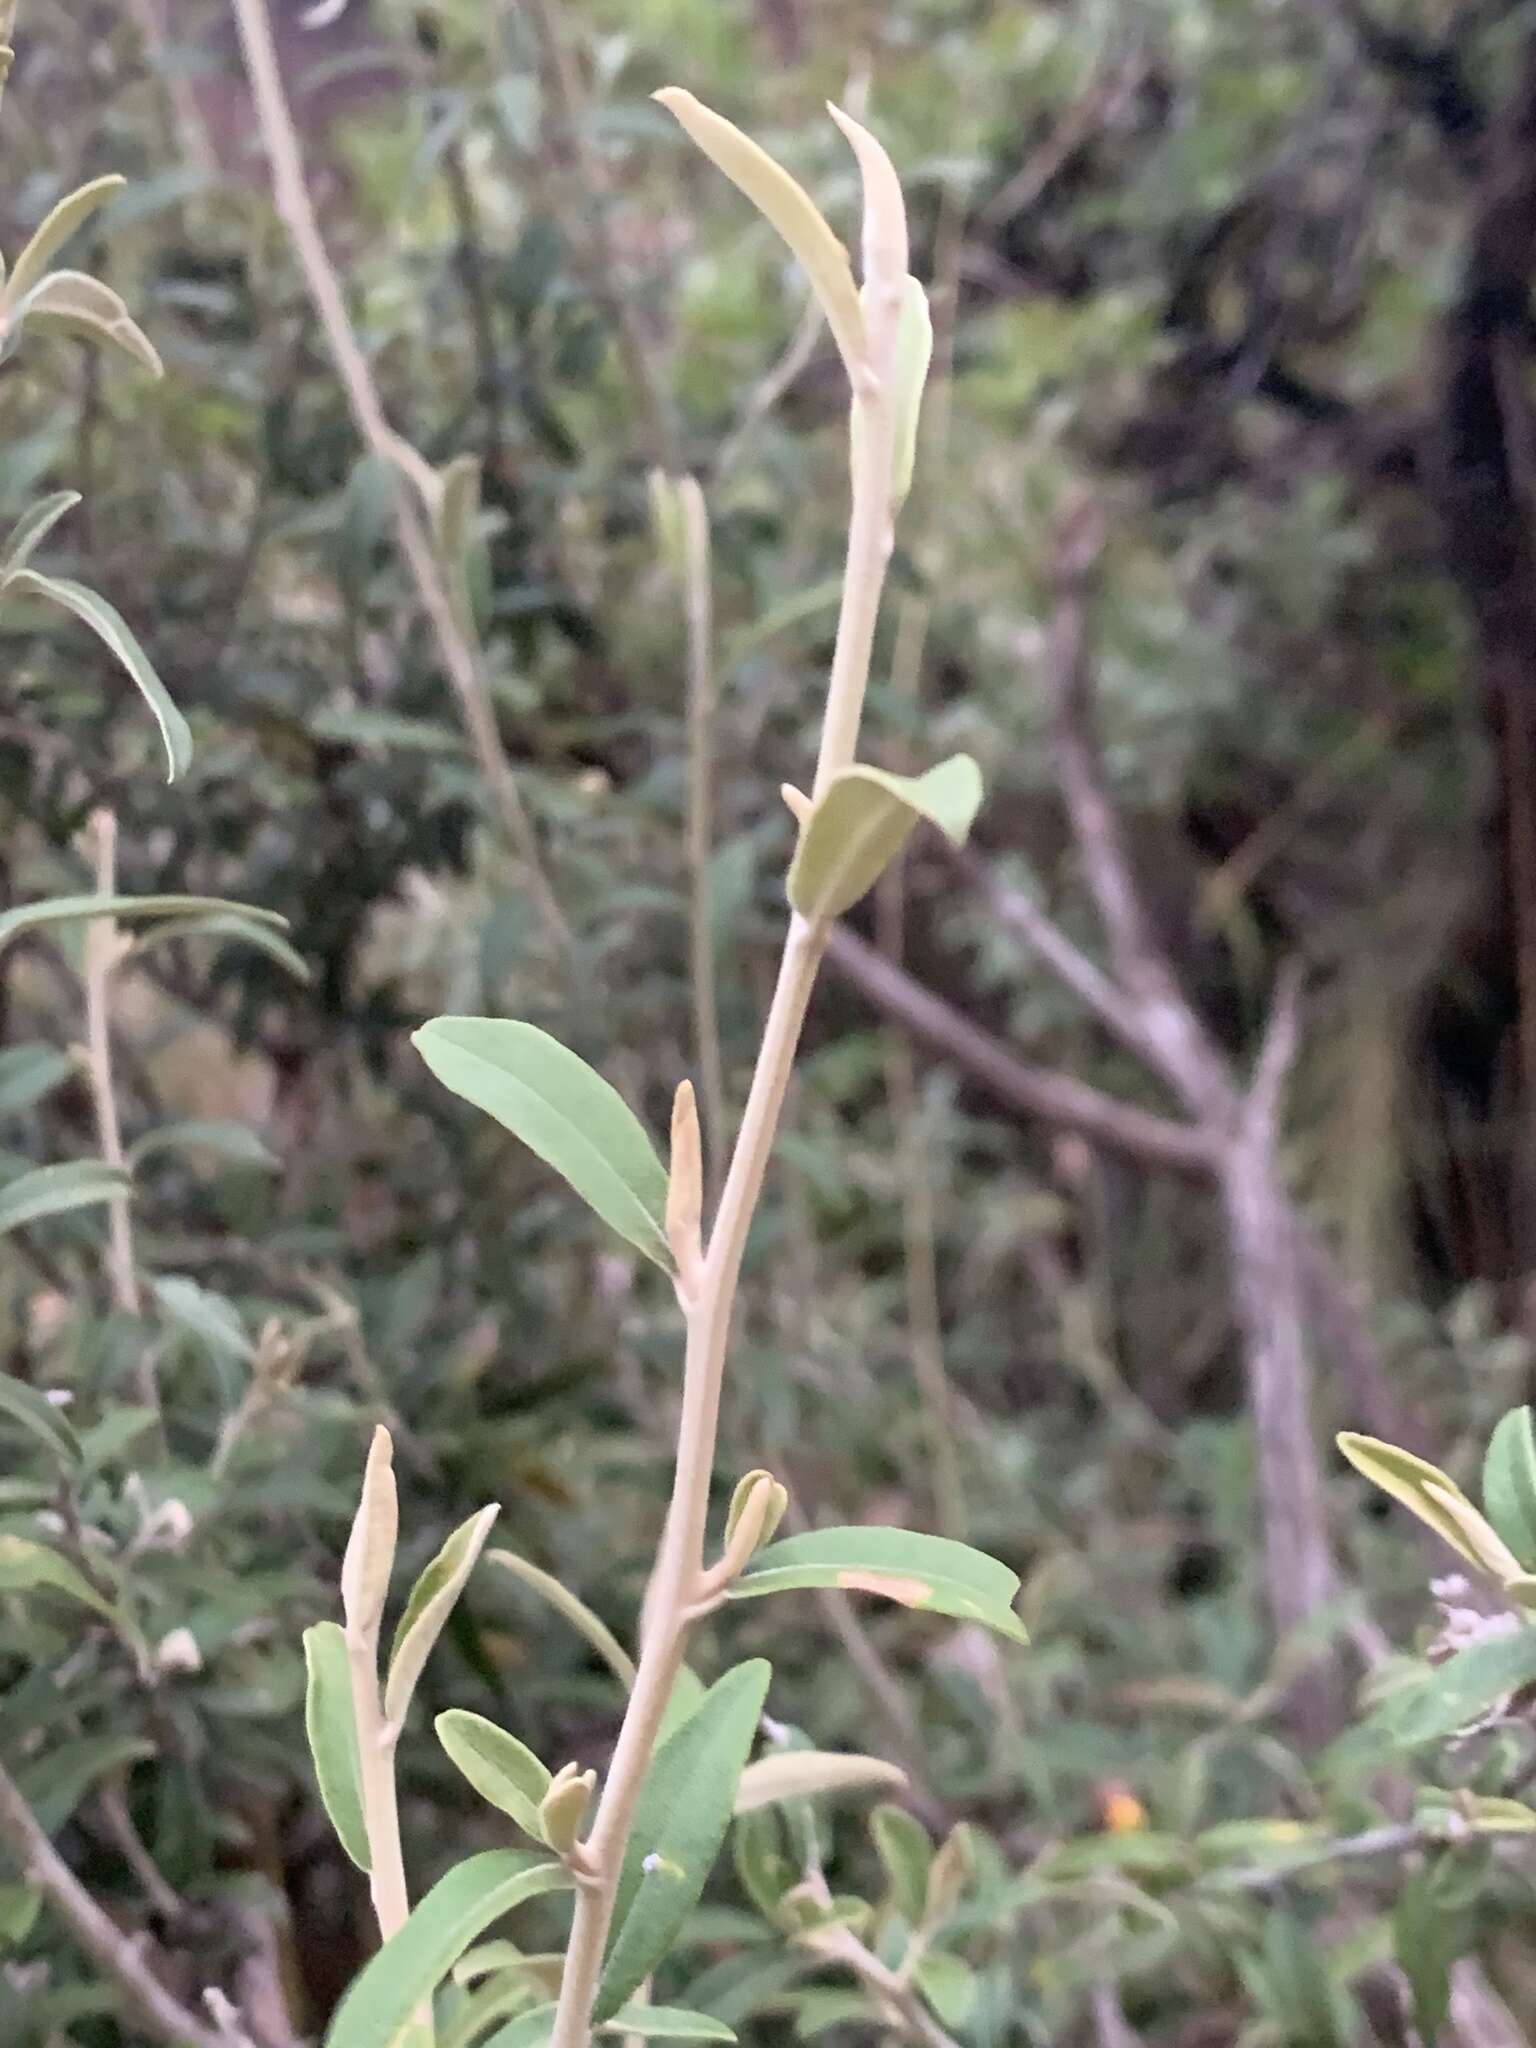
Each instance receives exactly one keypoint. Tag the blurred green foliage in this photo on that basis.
(1197, 253)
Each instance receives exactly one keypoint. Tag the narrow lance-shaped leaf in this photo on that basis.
(53, 1190)
(680, 1821)
(113, 630)
(380, 2009)
(861, 823)
(235, 1142)
(28, 917)
(906, 1855)
(809, 1773)
(27, 1567)
(432, 1600)
(502, 1770)
(33, 528)
(71, 303)
(38, 1416)
(331, 1724)
(914, 352)
(66, 219)
(240, 925)
(1509, 1484)
(885, 253)
(1457, 1692)
(576, 1612)
(789, 207)
(932, 1573)
(561, 1110)
(666, 2023)
(1430, 1493)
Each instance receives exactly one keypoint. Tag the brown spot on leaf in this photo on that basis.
(910, 1592)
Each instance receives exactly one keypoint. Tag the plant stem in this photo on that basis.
(699, 618)
(123, 1958)
(459, 658)
(870, 538)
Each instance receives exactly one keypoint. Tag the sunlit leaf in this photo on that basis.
(432, 1600)
(502, 1770)
(788, 206)
(1433, 1496)
(331, 1724)
(807, 1773)
(926, 1572)
(680, 1821)
(563, 1111)
(861, 823)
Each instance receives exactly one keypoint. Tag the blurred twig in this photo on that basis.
(461, 663)
(128, 1960)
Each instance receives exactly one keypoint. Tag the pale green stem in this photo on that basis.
(376, 1741)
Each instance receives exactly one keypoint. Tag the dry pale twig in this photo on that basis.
(461, 663)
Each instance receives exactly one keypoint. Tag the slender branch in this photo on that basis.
(125, 1959)
(460, 661)
(699, 615)
(708, 1293)
(588, 231)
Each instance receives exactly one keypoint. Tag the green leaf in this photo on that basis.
(561, 1110)
(55, 1784)
(432, 1600)
(113, 630)
(757, 1850)
(69, 302)
(575, 1611)
(51, 1190)
(680, 1821)
(71, 909)
(1429, 1932)
(666, 2023)
(528, 2030)
(453, 527)
(809, 1773)
(29, 1072)
(949, 1985)
(366, 728)
(331, 1724)
(26, 1567)
(209, 1316)
(501, 1769)
(64, 220)
(790, 209)
(237, 1143)
(20, 1905)
(239, 924)
(1509, 1483)
(380, 2009)
(906, 1856)
(928, 1572)
(1434, 1497)
(914, 352)
(38, 1416)
(1457, 1692)
(33, 528)
(861, 823)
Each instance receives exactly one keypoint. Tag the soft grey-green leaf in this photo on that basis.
(53, 1190)
(29, 1072)
(502, 1770)
(71, 909)
(330, 1722)
(71, 303)
(680, 1821)
(40, 1418)
(65, 219)
(380, 2009)
(33, 528)
(114, 632)
(932, 1573)
(861, 823)
(1509, 1484)
(562, 1110)
(431, 1601)
(237, 1143)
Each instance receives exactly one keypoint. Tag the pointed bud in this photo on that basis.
(799, 803)
(685, 1185)
(370, 1554)
(563, 1808)
(756, 1510)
